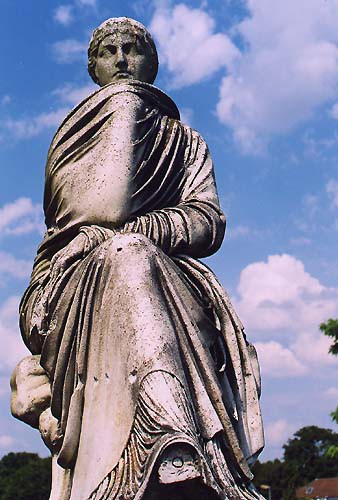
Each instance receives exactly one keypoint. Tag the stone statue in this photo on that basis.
(141, 380)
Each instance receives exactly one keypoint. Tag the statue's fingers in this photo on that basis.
(50, 430)
(28, 366)
(35, 381)
(41, 395)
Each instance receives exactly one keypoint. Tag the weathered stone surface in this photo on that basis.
(141, 380)
(179, 463)
(31, 393)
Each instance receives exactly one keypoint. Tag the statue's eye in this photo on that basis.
(107, 51)
(127, 48)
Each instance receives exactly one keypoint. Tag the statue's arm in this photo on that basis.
(196, 225)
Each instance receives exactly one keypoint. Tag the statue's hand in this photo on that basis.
(30, 390)
(73, 251)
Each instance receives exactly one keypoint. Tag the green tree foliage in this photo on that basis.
(306, 454)
(25, 476)
(274, 474)
(330, 329)
(306, 457)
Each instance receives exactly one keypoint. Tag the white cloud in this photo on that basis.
(278, 361)
(334, 111)
(20, 217)
(288, 69)
(6, 441)
(278, 273)
(238, 231)
(187, 115)
(25, 128)
(6, 99)
(332, 393)
(10, 266)
(71, 94)
(63, 14)
(194, 54)
(10, 336)
(278, 432)
(317, 348)
(332, 190)
(320, 148)
(300, 241)
(88, 3)
(311, 204)
(69, 50)
(282, 302)
(4, 386)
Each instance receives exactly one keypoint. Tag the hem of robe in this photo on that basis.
(203, 281)
(130, 478)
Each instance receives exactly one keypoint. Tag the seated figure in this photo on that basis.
(141, 380)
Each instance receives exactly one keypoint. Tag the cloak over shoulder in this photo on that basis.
(122, 164)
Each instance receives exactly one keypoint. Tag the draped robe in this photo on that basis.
(139, 340)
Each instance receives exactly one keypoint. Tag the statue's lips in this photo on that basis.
(122, 74)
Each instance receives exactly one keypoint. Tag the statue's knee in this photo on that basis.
(127, 246)
(132, 254)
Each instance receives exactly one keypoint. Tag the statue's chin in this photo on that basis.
(118, 77)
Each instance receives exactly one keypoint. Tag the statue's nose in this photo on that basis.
(121, 59)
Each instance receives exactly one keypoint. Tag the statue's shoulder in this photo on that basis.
(189, 131)
(195, 136)
(196, 147)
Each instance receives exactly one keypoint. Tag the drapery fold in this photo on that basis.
(136, 300)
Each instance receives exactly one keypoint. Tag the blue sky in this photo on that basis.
(259, 80)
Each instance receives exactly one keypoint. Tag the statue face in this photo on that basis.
(120, 57)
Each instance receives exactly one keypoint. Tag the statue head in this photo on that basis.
(121, 48)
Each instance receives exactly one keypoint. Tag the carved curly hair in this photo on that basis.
(123, 25)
